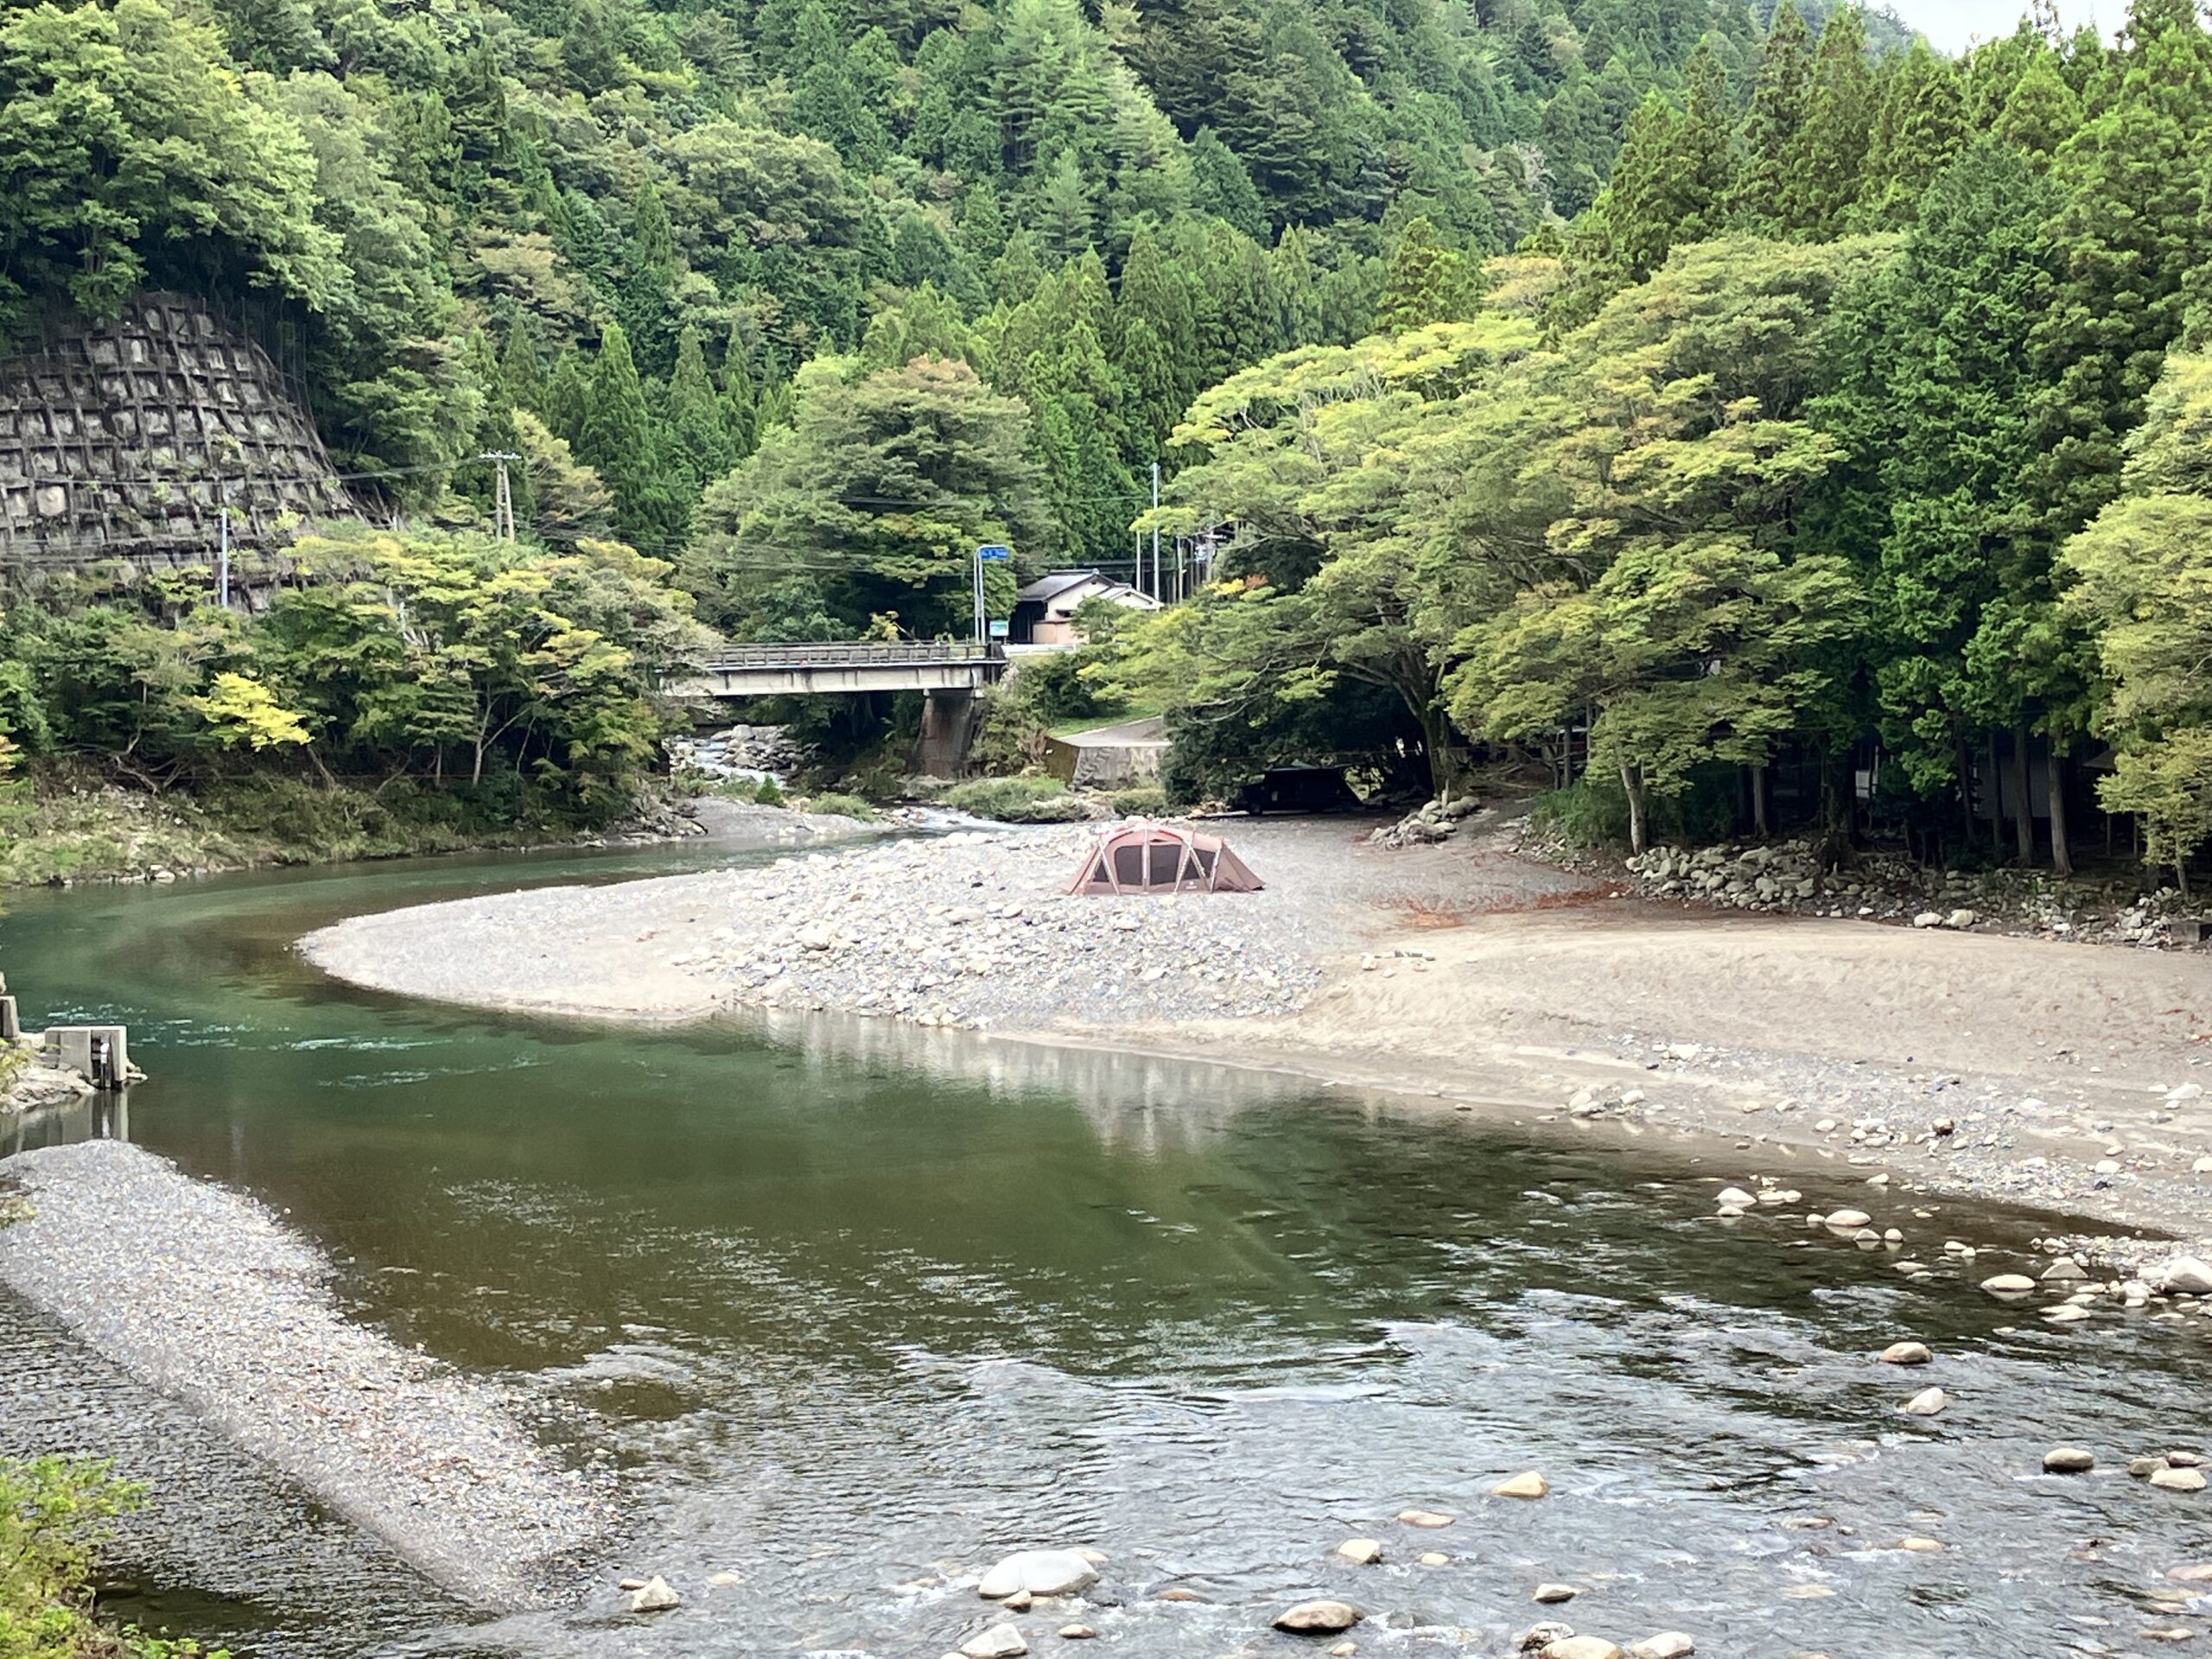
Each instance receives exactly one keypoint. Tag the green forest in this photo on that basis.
(1744, 403)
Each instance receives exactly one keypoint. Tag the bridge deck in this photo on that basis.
(839, 666)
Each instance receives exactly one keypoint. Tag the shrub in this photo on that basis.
(1142, 799)
(1016, 800)
(844, 806)
(767, 793)
(55, 1514)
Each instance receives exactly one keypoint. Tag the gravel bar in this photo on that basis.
(206, 1295)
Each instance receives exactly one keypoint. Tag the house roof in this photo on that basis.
(1053, 583)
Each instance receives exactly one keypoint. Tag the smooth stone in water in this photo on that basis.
(1580, 1647)
(1000, 1642)
(2183, 1273)
(1551, 1594)
(1668, 1644)
(2179, 1480)
(1075, 1632)
(1538, 1635)
(1927, 1403)
(1435, 1558)
(655, 1595)
(1318, 1617)
(2008, 1284)
(1851, 1220)
(2069, 1460)
(1360, 1552)
(1424, 1518)
(1528, 1485)
(1040, 1571)
(1906, 1353)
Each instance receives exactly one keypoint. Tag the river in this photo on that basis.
(853, 1312)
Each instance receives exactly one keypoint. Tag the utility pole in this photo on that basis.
(502, 500)
(223, 549)
(1155, 531)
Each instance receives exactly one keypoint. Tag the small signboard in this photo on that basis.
(994, 554)
(998, 627)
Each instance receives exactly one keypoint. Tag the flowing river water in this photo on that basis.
(854, 1312)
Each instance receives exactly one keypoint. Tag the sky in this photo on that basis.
(1951, 24)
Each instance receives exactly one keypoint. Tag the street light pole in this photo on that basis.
(1155, 531)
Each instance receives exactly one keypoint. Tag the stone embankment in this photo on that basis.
(206, 1296)
(1788, 876)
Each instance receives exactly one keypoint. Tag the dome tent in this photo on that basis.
(1141, 856)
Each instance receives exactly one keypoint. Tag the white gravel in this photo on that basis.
(973, 929)
(206, 1296)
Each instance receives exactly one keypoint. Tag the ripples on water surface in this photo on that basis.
(860, 1310)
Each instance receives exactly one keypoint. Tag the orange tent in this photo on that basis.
(1141, 856)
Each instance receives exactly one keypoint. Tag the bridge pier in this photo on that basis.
(950, 720)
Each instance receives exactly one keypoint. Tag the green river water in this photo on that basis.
(855, 1311)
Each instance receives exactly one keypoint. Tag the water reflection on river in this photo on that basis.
(860, 1309)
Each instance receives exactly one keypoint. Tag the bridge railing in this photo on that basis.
(843, 654)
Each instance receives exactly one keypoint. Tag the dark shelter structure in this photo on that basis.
(1145, 857)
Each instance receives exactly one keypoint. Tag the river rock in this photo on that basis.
(2179, 1480)
(1552, 1594)
(1361, 1552)
(2065, 1270)
(1851, 1220)
(1539, 1635)
(1318, 1617)
(2186, 1273)
(1000, 1642)
(2008, 1284)
(1434, 1558)
(1735, 1196)
(1668, 1644)
(1906, 1353)
(2069, 1460)
(2191, 1572)
(1424, 1518)
(1528, 1485)
(2143, 1468)
(1580, 1647)
(1038, 1572)
(655, 1595)
(1075, 1632)
(1928, 1402)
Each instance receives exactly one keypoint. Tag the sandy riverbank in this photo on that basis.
(207, 1296)
(2052, 1074)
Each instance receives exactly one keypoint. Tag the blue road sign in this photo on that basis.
(994, 554)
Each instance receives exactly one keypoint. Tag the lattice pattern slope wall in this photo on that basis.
(121, 442)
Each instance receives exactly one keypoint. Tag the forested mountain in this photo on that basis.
(622, 228)
(1862, 422)
(1730, 383)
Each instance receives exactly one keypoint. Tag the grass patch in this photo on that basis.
(1016, 800)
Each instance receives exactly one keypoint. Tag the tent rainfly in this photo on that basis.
(1141, 856)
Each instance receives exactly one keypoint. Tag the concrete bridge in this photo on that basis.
(950, 673)
(832, 668)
